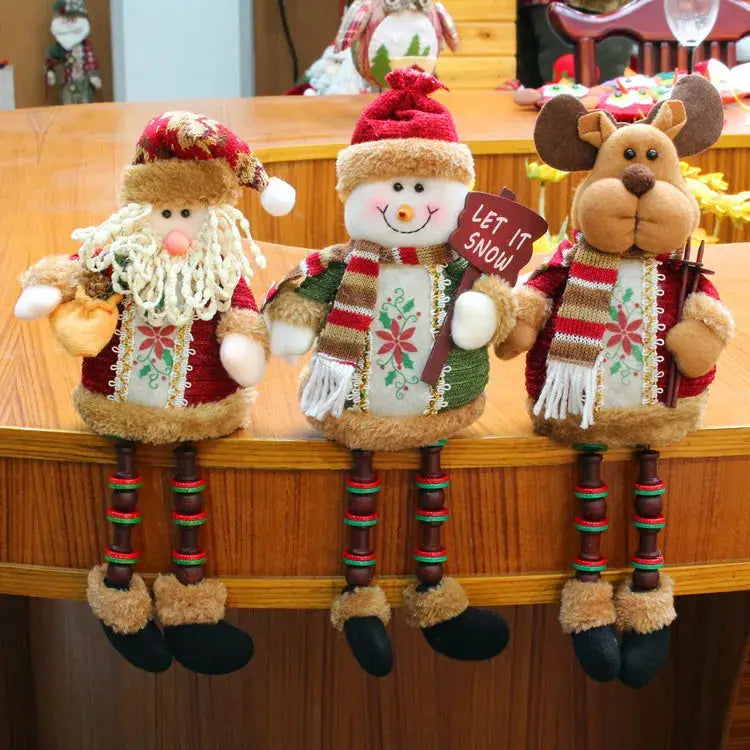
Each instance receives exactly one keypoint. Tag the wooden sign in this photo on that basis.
(496, 236)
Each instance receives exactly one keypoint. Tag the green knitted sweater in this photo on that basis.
(469, 370)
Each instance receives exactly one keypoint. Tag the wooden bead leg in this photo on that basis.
(592, 521)
(362, 491)
(123, 515)
(649, 521)
(431, 514)
(188, 516)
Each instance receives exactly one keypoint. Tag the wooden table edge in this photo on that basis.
(318, 454)
(317, 592)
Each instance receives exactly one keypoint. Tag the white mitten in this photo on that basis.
(289, 341)
(37, 302)
(474, 320)
(243, 358)
(51, 78)
(96, 82)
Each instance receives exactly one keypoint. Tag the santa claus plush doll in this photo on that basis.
(373, 307)
(623, 334)
(157, 302)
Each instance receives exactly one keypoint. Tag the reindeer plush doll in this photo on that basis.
(602, 326)
(375, 305)
(157, 303)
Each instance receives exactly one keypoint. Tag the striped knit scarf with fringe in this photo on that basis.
(577, 349)
(342, 341)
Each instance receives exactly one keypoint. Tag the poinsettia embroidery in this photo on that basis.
(622, 338)
(155, 353)
(397, 321)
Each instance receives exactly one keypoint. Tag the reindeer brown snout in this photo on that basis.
(638, 179)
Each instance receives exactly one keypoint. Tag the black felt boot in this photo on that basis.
(473, 635)
(370, 644)
(210, 648)
(643, 656)
(598, 652)
(145, 649)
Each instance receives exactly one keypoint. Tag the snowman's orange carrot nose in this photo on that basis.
(405, 213)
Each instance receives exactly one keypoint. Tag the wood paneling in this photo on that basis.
(737, 735)
(304, 690)
(25, 36)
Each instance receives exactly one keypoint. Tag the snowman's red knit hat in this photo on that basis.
(404, 132)
(190, 159)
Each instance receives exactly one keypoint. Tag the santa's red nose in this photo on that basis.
(177, 242)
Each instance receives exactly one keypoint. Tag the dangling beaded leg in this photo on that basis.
(362, 611)
(190, 606)
(438, 605)
(645, 606)
(587, 612)
(117, 595)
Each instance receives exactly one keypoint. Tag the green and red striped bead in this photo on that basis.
(654, 523)
(590, 566)
(592, 527)
(591, 493)
(350, 519)
(430, 556)
(432, 516)
(359, 561)
(362, 488)
(433, 483)
(647, 563)
(180, 558)
(120, 558)
(125, 519)
(183, 519)
(188, 488)
(124, 483)
(650, 489)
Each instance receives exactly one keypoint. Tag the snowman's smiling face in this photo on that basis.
(405, 211)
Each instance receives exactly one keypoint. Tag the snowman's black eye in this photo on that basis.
(398, 187)
(185, 213)
(166, 213)
(629, 153)
(419, 188)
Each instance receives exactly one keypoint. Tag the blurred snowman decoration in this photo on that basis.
(334, 73)
(386, 35)
(71, 61)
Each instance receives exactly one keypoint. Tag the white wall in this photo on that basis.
(182, 49)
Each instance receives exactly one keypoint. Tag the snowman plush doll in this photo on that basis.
(372, 308)
(387, 35)
(157, 303)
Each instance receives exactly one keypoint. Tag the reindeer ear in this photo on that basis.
(703, 115)
(556, 135)
(595, 127)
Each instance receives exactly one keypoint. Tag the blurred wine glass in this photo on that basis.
(691, 22)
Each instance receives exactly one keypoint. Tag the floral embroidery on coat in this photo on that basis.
(397, 324)
(622, 338)
(155, 353)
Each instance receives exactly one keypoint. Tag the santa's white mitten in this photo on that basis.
(243, 358)
(474, 320)
(37, 301)
(289, 341)
(96, 82)
(51, 78)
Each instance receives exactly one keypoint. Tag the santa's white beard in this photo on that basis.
(171, 290)
(70, 32)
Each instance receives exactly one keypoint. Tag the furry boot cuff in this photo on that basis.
(584, 606)
(126, 611)
(199, 604)
(438, 604)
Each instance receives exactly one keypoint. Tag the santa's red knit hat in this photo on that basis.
(403, 133)
(190, 159)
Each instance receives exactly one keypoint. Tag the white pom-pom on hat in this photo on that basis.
(278, 198)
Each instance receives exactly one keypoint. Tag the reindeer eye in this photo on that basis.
(166, 213)
(652, 154)
(629, 153)
(398, 187)
(185, 213)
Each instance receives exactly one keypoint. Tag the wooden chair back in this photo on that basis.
(645, 22)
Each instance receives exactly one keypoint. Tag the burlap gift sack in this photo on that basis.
(85, 325)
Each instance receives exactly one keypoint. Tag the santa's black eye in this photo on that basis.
(166, 213)
(185, 213)
(629, 153)
(398, 187)
(419, 188)
(652, 154)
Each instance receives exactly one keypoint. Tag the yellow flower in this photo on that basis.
(735, 207)
(688, 170)
(701, 235)
(543, 246)
(705, 196)
(715, 180)
(543, 172)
